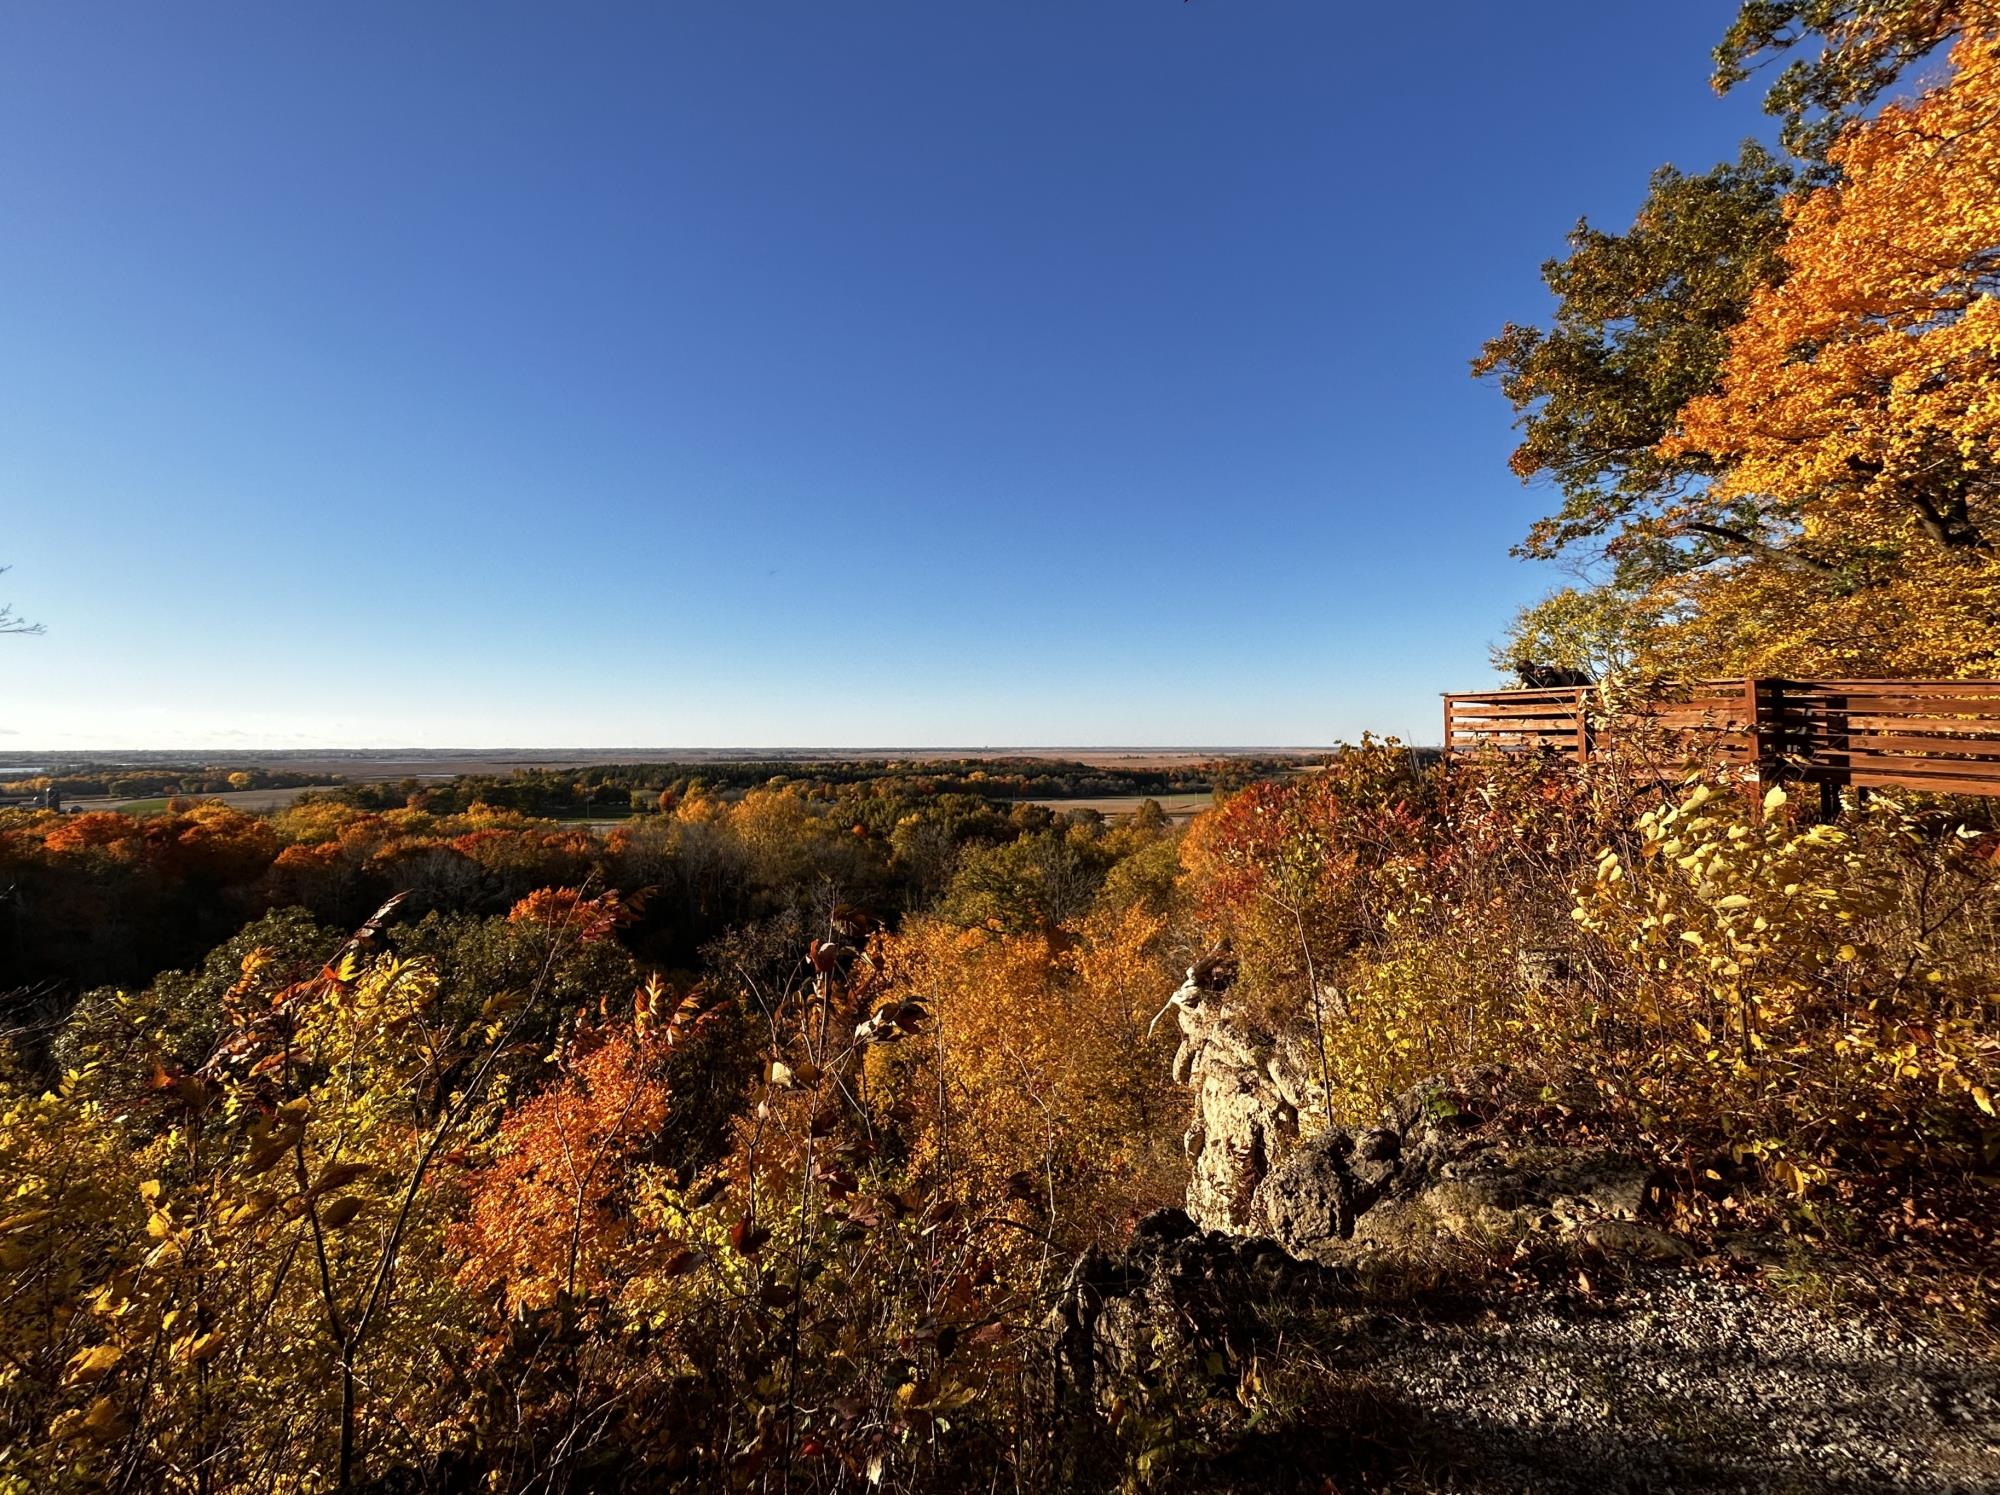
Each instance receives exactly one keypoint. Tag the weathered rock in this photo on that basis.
(1178, 1301)
(1504, 1190)
(1427, 1173)
(1633, 1238)
(1249, 1084)
(1324, 1185)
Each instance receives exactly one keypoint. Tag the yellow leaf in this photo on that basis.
(90, 1365)
(103, 1421)
(253, 1208)
(199, 1348)
(339, 1176)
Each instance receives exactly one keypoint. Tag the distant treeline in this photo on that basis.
(146, 783)
(645, 786)
(114, 898)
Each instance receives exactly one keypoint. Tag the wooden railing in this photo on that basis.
(1939, 735)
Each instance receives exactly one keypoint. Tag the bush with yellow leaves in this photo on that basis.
(1799, 1017)
(1815, 995)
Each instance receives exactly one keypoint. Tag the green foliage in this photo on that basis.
(183, 1013)
(1864, 46)
(476, 958)
(1641, 326)
(1037, 882)
(1600, 631)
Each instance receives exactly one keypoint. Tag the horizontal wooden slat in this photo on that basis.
(1956, 711)
(1909, 726)
(1566, 695)
(1496, 729)
(1520, 713)
(1857, 758)
(1866, 778)
(1937, 735)
(1513, 708)
(1912, 687)
(1884, 701)
(1944, 748)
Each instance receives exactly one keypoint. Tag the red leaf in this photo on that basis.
(747, 1236)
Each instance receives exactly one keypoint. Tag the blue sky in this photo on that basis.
(1040, 372)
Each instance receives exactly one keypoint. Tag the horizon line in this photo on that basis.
(1035, 749)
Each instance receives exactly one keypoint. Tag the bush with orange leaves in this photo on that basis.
(1303, 877)
(551, 1206)
(573, 911)
(1037, 1080)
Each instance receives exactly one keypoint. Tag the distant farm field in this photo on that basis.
(1116, 806)
(253, 801)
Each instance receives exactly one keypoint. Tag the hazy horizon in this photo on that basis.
(705, 750)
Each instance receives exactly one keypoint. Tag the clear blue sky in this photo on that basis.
(1007, 371)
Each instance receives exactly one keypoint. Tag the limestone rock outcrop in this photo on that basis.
(1432, 1169)
(1250, 1083)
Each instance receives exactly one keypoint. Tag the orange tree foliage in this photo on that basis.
(1036, 1078)
(550, 1209)
(1302, 876)
(1859, 409)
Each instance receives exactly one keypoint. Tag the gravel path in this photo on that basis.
(1680, 1383)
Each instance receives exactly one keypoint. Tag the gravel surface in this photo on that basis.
(1677, 1383)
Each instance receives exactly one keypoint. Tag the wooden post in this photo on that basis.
(1582, 727)
(1447, 729)
(1760, 732)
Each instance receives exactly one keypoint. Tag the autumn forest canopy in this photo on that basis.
(937, 1124)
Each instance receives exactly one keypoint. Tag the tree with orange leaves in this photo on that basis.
(1038, 1078)
(1858, 416)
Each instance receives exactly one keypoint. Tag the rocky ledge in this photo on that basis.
(1632, 1360)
